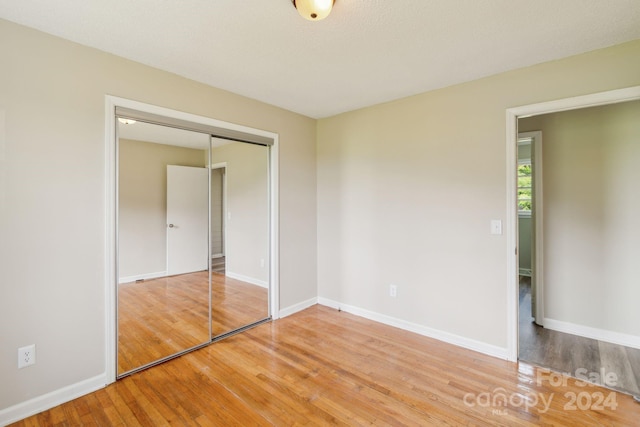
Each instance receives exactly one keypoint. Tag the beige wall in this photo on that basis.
(52, 210)
(407, 190)
(591, 205)
(525, 227)
(247, 224)
(142, 221)
(524, 242)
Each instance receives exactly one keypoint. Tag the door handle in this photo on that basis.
(171, 226)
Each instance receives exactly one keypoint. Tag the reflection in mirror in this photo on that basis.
(240, 235)
(193, 241)
(163, 228)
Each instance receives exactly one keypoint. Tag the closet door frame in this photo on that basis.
(111, 184)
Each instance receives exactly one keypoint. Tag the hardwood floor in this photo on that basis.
(324, 367)
(235, 303)
(160, 317)
(567, 353)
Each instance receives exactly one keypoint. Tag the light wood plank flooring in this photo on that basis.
(324, 367)
(567, 353)
(160, 317)
(235, 303)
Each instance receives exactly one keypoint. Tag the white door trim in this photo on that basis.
(223, 165)
(111, 156)
(537, 259)
(512, 115)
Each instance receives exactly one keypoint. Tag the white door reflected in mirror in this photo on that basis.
(187, 204)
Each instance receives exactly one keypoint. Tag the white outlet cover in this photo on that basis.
(26, 356)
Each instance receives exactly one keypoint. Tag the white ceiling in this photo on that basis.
(366, 52)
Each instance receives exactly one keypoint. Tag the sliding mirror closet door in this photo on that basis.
(163, 297)
(240, 235)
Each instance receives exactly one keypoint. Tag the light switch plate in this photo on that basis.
(496, 226)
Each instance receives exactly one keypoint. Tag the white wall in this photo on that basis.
(591, 205)
(142, 221)
(247, 222)
(407, 190)
(52, 199)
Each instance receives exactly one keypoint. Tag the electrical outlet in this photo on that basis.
(262, 262)
(393, 291)
(26, 356)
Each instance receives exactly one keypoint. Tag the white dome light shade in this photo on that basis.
(313, 10)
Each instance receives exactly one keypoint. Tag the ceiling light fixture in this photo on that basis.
(313, 10)
(126, 121)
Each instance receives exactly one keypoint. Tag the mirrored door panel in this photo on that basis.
(240, 251)
(163, 243)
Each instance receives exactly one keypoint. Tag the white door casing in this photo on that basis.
(537, 245)
(220, 204)
(512, 115)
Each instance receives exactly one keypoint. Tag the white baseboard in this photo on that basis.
(146, 276)
(619, 338)
(468, 343)
(47, 401)
(297, 307)
(252, 280)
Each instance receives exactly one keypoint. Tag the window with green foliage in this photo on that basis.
(524, 188)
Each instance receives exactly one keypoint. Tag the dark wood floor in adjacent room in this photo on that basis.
(325, 367)
(564, 352)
